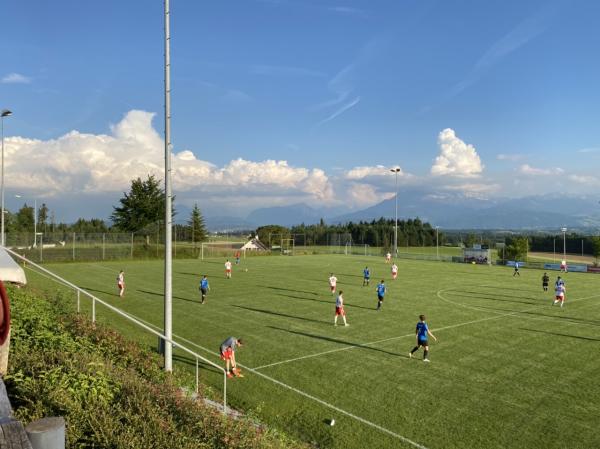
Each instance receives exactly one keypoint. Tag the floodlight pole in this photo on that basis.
(396, 170)
(4, 113)
(168, 324)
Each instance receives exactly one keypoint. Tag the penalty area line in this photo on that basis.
(306, 395)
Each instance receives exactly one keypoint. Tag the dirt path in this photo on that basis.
(559, 256)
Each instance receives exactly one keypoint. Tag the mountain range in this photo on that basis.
(447, 210)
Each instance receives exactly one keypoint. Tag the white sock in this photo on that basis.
(345, 324)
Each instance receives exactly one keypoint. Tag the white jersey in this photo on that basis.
(388, 256)
(228, 266)
(120, 279)
(394, 268)
(560, 290)
(332, 281)
(339, 302)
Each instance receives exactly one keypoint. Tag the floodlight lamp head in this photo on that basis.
(396, 170)
(5, 113)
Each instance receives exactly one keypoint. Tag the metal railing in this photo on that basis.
(54, 277)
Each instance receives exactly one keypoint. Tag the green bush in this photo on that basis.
(111, 391)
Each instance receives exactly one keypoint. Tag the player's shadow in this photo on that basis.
(188, 274)
(292, 290)
(493, 297)
(114, 293)
(305, 299)
(190, 361)
(560, 335)
(284, 315)
(162, 295)
(335, 340)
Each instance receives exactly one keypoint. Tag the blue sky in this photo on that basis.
(282, 101)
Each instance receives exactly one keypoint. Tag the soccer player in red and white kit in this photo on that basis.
(121, 283)
(560, 290)
(228, 269)
(388, 257)
(332, 283)
(227, 350)
(339, 309)
(394, 271)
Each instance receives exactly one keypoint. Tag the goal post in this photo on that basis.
(220, 249)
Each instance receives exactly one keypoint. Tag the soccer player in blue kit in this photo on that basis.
(204, 288)
(422, 333)
(380, 294)
(366, 276)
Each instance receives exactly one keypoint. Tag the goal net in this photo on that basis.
(221, 249)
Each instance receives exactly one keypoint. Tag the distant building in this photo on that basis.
(254, 245)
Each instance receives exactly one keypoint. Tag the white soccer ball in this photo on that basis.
(246, 270)
(332, 422)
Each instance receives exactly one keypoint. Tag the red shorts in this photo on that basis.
(560, 298)
(121, 286)
(394, 275)
(227, 354)
(227, 271)
(332, 288)
(340, 311)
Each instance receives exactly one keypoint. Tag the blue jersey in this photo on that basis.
(366, 273)
(381, 289)
(204, 284)
(422, 330)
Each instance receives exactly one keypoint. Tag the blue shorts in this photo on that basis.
(423, 342)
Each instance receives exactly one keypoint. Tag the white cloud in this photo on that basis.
(15, 78)
(589, 150)
(367, 171)
(456, 158)
(475, 190)
(361, 195)
(510, 157)
(94, 163)
(526, 169)
(585, 179)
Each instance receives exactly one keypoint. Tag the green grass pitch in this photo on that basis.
(509, 370)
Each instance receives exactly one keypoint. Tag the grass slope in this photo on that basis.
(509, 371)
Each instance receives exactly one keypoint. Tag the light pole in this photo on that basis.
(168, 306)
(35, 216)
(396, 170)
(4, 113)
(564, 231)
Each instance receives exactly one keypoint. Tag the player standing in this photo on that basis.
(339, 309)
(516, 270)
(388, 257)
(422, 333)
(228, 269)
(545, 281)
(204, 288)
(563, 265)
(560, 291)
(121, 283)
(366, 276)
(332, 283)
(227, 350)
(237, 258)
(380, 293)
(394, 271)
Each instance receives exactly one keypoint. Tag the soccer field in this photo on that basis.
(509, 370)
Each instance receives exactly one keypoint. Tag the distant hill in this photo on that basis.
(286, 215)
(456, 211)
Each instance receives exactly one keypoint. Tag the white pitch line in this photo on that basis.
(305, 394)
(452, 326)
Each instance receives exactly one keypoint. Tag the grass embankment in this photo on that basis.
(111, 391)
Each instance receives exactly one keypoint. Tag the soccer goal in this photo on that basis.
(221, 249)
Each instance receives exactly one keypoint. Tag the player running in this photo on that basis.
(237, 258)
(380, 293)
(394, 271)
(560, 291)
(332, 283)
(366, 276)
(227, 349)
(422, 333)
(545, 281)
(339, 309)
(204, 288)
(121, 283)
(228, 269)
(559, 281)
